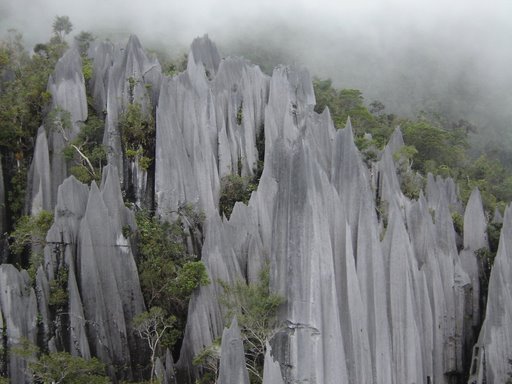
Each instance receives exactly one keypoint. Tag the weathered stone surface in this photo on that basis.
(492, 352)
(204, 51)
(475, 240)
(316, 197)
(103, 55)
(475, 225)
(232, 369)
(40, 188)
(103, 286)
(497, 218)
(164, 369)
(130, 77)
(403, 306)
(107, 275)
(438, 186)
(208, 120)
(49, 168)
(18, 309)
(271, 369)
(374, 288)
(67, 86)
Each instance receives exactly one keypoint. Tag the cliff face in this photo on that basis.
(86, 241)
(491, 357)
(374, 288)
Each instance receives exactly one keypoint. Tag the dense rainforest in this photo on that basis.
(168, 237)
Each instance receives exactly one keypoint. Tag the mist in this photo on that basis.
(450, 57)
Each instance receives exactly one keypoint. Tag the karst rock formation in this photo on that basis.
(374, 286)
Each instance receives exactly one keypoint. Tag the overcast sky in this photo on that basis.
(400, 51)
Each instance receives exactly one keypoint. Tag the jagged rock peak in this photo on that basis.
(491, 355)
(67, 86)
(68, 66)
(18, 310)
(39, 189)
(271, 369)
(72, 198)
(396, 141)
(203, 50)
(475, 225)
(232, 368)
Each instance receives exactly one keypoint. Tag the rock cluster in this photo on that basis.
(374, 288)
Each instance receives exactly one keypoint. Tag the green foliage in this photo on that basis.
(30, 231)
(23, 103)
(485, 260)
(136, 127)
(83, 41)
(159, 238)
(368, 149)
(86, 152)
(433, 143)
(59, 289)
(458, 223)
(192, 275)
(346, 103)
(255, 308)
(411, 183)
(145, 162)
(493, 234)
(137, 132)
(171, 67)
(208, 359)
(492, 179)
(234, 188)
(16, 191)
(60, 367)
(63, 368)
(59, 120)
(152, 326)
(168, 274)
(87, 68)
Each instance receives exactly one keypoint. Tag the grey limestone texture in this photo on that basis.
(491, 354)
(232, 369)
(18, 317)
(374, 287)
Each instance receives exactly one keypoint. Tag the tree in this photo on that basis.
(152, 327)
(30, 231)
(168, 274)
(255, 307)
(61, 27)
(208, 359)
(83, 41)
(346, 103)
(86, 150)
(137, 131)
(63, 368)
(60, 367)
(24, 101)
